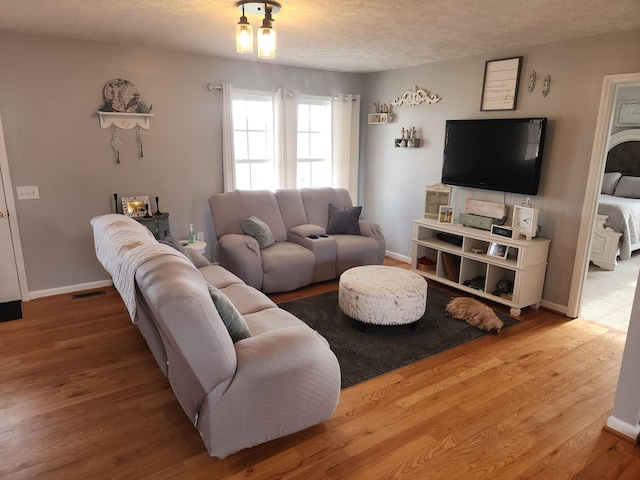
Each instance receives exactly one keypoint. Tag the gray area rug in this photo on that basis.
(383, 348)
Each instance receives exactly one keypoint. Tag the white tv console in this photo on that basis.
(525, 265)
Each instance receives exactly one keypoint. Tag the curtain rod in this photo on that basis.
(211, 87)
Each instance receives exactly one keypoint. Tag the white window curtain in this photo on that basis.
(228, 154)
(286, 110)
(345, 112)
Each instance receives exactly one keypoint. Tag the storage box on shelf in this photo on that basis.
(463, 266)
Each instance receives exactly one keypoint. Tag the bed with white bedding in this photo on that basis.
(620, 203)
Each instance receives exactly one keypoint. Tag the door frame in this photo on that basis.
(594, 185)
(7, 188)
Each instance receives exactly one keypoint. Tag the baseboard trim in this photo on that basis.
(623, 429)
(397, 256)
(554, 307)
(70, 289)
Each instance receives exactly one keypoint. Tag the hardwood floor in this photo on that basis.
(82, 398)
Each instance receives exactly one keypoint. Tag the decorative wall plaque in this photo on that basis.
(415, 96)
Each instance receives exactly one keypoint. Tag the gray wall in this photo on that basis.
(49, 92)
(51, 88)
(395, 178)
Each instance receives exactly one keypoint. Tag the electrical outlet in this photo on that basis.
(28, 193)
(200, 236)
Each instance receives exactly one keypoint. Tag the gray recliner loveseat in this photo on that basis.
(317, 235)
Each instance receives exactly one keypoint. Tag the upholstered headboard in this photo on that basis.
(624, 153)
(624, 158)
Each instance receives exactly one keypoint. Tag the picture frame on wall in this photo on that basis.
(627, 114)
(500, 85)
(445, 214)
(135, 206)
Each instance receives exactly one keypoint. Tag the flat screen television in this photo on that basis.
(494, 154)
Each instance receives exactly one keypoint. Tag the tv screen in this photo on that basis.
(494, 154)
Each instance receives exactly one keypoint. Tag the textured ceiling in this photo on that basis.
(339, 35)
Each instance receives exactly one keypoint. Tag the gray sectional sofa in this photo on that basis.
(278, 380)
(313, 231)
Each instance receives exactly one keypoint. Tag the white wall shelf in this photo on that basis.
(379, 118)
(407, 142)
(125, 121)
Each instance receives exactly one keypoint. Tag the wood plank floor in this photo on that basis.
(82, 398)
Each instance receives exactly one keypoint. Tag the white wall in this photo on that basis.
(395, 178)
(49, 92)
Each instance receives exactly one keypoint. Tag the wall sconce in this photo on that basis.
(267, 43)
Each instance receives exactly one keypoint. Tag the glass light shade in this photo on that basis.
(267, 42)
(244, 36)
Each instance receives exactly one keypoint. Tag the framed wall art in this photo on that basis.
(500, 86)
(627, 114)
(135, 206)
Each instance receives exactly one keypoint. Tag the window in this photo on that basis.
(286, 140)
(253, 141)
(314, 166)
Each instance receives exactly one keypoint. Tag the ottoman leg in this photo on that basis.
(414, 325)
(363, 327)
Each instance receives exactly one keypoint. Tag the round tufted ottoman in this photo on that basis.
(382, 295)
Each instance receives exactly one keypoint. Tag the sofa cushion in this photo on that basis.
(259, 230)
(609, 182)
(343, 220)
(229, 314)
(307, 230)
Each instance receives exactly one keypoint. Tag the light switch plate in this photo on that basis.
(28, 193)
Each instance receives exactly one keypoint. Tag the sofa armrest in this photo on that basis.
(240, 254)
(286, 380)
(372, 229)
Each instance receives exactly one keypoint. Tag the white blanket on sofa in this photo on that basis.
(135, 245)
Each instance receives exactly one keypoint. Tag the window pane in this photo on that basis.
(304, 175)
(243, 176)
(253, 140)
(303, 146)
(303, 118)
(321, 174)
(318, 147)
(240, 145)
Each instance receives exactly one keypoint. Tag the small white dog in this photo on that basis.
(474, 313)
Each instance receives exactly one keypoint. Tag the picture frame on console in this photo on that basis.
(500, 85)
(498, 250)
(445, 214)
(135, 206)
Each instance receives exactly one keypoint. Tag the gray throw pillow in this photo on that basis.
(194, 256)
(237, 327)
(259, 230)
(609, 182)
(628, 187)
(343, 220)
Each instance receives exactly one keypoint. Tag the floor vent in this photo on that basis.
(95, 293)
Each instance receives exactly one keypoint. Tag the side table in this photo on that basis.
(199, 246)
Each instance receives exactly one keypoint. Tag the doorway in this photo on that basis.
(13, 285)
(610, 93)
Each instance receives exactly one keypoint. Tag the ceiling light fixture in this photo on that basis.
(267, 43)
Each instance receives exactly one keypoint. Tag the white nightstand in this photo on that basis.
(198, 246)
